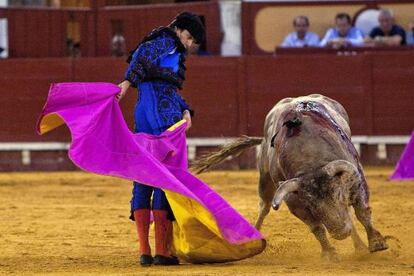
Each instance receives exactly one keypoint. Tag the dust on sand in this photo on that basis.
(77, 223)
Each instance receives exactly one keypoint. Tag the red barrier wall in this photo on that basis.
(346, 79)
(24, 84)
(393, 93)
(231, 96)
(213, 91)
(41, 32)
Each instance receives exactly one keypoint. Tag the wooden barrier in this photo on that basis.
(231, 97)
(393, 93)
(346, 79)
(24, 84)
(43, 32)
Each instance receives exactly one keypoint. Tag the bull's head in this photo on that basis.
(325, 193)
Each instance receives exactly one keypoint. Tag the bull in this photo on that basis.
(307, 160)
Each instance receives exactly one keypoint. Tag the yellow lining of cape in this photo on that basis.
(197, 238)
(50, 122)
(176, 125)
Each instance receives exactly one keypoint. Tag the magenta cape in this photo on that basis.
(207, 228)
(405, 167)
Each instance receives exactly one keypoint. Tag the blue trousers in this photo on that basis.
(141, 199)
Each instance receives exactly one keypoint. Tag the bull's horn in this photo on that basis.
(338, 166)
(286, 187)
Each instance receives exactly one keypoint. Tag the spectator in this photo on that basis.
(387, 33)
(343, 35)
(73, 48)
(3, 38)
(76, 50)
(118, 48)
(301, 37)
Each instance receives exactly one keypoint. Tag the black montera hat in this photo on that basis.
(192, 23)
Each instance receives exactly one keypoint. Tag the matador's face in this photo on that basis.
(186, 39)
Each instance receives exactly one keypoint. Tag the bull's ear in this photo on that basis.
(285, 187)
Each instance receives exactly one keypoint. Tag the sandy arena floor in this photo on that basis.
(77, 224)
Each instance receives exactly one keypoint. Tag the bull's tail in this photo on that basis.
(234, 148)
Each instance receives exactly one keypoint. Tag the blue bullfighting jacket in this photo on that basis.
(156, 68)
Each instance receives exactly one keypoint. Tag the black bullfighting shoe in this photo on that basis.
(163, 260)
(146, 260)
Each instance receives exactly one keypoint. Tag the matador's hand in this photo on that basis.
(124, 88)
(187, 117)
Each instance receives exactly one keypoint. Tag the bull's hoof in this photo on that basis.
(377, 244)
(275, 206)
(330, 255)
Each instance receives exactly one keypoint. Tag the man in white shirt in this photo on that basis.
(301, 37)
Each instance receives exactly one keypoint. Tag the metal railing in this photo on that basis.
(192, 143)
